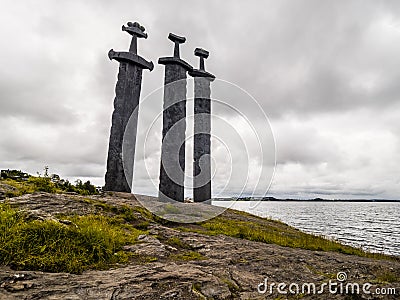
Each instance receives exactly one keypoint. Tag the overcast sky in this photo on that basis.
(327, 74)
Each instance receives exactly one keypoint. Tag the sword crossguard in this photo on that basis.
(136, 31)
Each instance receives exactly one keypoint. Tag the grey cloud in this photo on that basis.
(303, 144)
(314, 67)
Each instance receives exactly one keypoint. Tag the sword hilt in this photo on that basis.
(203, 54)
(177, 40)
(136, 31)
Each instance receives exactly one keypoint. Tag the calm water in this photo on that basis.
(370, 225)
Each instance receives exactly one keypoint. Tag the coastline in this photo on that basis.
(192, 261)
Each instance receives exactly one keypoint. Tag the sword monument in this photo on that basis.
(127, 94)
(172, 169)
(202, 130)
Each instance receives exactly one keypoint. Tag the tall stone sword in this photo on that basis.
(202, 130)
(172, 169)
(127, 94)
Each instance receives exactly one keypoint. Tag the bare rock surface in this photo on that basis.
(231, 269)
(4, 189)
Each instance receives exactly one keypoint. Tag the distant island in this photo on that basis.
(305, 200)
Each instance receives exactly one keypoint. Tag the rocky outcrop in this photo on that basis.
(5, 189)
(226, 268)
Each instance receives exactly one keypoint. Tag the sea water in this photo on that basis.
(373, 226)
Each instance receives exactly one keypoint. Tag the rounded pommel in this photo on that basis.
(176, 38)
(136, 24)
(135, 29)
(201, 53)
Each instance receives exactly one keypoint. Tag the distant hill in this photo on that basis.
(305, 200)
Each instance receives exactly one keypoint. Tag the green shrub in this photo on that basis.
(47, 184)
(43, 184)
(85, 188)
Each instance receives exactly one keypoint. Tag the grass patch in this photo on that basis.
(95, 242)
(145, 213)
(20, 188)
(142, 259)
(246, 226)
(124, 212)
(189, 255)
(232, 286)
(29, 186)
(387, 277)
(271, 232)
(177, 243)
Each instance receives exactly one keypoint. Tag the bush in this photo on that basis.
(43, 184)
(85, 188)
(50, 184)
